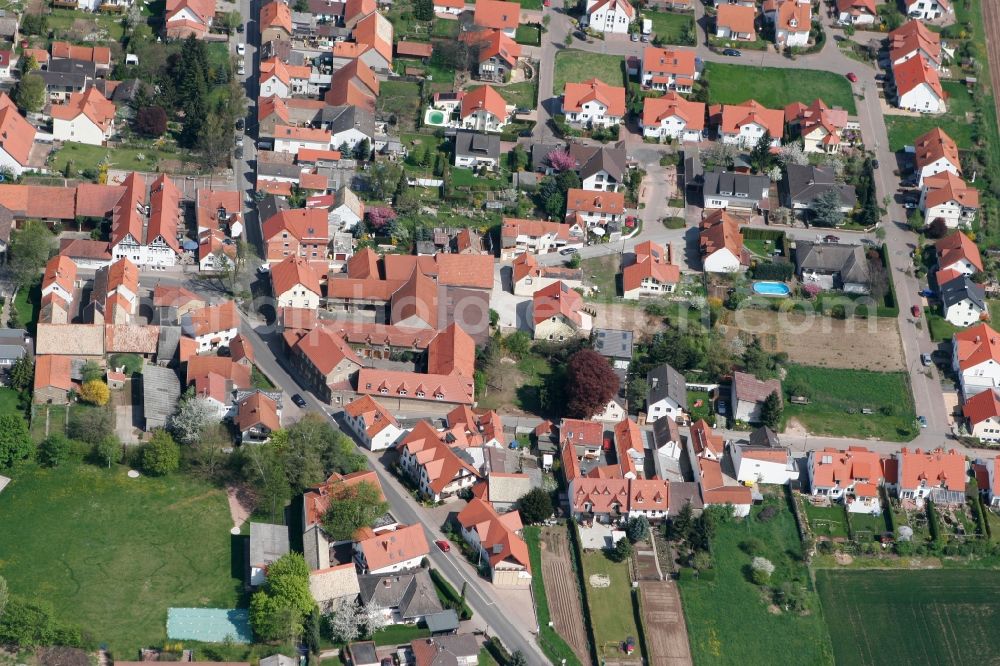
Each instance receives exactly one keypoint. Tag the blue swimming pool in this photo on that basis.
(771, 288)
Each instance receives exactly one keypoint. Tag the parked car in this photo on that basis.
(852, 77)
(880, 77)
(928, 293)
(240, 124)
(915, 311)
(443, 545)
(634, 36)
(645, 39)
(566, 251)
(874, 164)
(733, 53)
(830, 238)
(299, 400)
(241, 48)
(909, 205)
(922, 420)
(925, 358)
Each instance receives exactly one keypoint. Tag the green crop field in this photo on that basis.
(943, 617)
(775, 88)
(838, 397)
(116, 552)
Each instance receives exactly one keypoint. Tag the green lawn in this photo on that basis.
(85, 157)
(828, 521)
(111, 553)
(940, 328)
(10, 402)
(994, 306)
(530, 4)
(866, 526)
(942, 617)
(602, 272)
(838, 397)
(401, 98)
(109, 25)
(903, 130)
(523, 94)
(576, 66)
(399, 634)
(260, 380)
(486, 659)
(775, 88)
(529, 34)
(445, 29)
(704, 411)
(673, 27)
(728, 618)
(611, 610)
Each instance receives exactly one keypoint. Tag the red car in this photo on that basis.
(443, 545)
(852, 77)
(915, 310)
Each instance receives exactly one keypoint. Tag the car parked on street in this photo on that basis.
(299, 400)
(732, 53)
(443, 545)
(922, 420)
(566, 251)
(925, 358)
(852, 77)
(915, 311)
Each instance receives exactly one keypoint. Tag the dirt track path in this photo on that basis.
(561, 589)
(991, 24)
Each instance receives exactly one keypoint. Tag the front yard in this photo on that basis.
(529, 34)
(602, 274)
(775, 88)
(577, 66)
(673, 27)
(839, 397)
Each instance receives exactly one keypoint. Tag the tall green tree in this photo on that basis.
(29, 93)
(15, 442)
(760, 155)
(770, 411)
(22, 374)
(352, 508)
(279, 610)
(535, 506)
(161, 455)
(826, 209)
(30, 248)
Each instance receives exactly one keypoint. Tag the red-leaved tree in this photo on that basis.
(380, 218)
(151, 121)
(561, 160)
(590, 383)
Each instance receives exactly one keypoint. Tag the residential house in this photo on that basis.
(59, 281)
(114, 296)
(745, 124)
(720, 243)
(8, 60)
(372, 424)
(581, 439)
(748, 394)
(945, 196)
(956, 255)
(982, 415)
(667, 396)
(278, 79)
(833, 266)
(268, 543)
(324, 358)
(258, 415)
(934, 153)
(857, 13)
(497, 15)
(373, 40)
(401, 549)
(918, 87)
(615, 345)
(497, 538)
(86, 117)
(483, 110)
(976, 359)
(355, 85)
(215, 251)
(348, 125)
(763, 460)
(460, 650)
(100, 56)
(498, 57)
(792, 23)
(610, 16)
(14, 344)
(147, 234)
(557, 313)
(84, 252)
(705, 451)
(477, 428)
(630, 448)
(53, 380)
(528, 276)
(316, 502)
(438, 471)
(736, 22)
(593, 103)
(803, 184)
(850, 476)
(928, 10)
(410, 391)
(672, 117)
(588, 208)
(292, 140)
(453, 7)
(17, 137)
(913, 39)
(988, 478)
(669, 69)
(275, 22)
(301, 232)
(475, 150)
(938, 475)
(653, 273)
(598, 498)
(212, 326)
(737, 191)
(219, 209)
(821, 127)
(184, 18)
(519, 237)
(67, 77)
(600, 167)
(295, 284)
(405, 598)
(963, 301)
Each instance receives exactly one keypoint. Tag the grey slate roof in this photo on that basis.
(693, 169)
(13, 344)
(278, 170)
(665, 382)
(268, 542)
(736, 185)
(444, 622)
(961, 288)
(278, 660)
(342, 118)
(828, 258)
(170, 340)
(805, 184)
(477, 145)
(764, 437)
(614, 343)
(540, 153)
(270, 206)
(73, 66)
(593, 159)
(75, 81)
(665, 430)
(412, 593)
(447, 650)
(161, 389)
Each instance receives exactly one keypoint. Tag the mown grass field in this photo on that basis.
(775, 88)
(114, 552)
(941, 617)
(85, 157)
(673, 27)
(827, 521)
(575, 66)
(729, 620)
(838, 397)
(611, 610)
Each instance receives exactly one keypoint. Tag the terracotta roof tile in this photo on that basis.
(576, 95)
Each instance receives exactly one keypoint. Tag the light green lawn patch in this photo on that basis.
(904, 130)
(10, 402)
(611, 610)
(838, 397)
(111, 553)
(521, 95)
(729, 620)
(529, 34)
(775, 88)
(945, 617)
(602, 272)
(85, 156)
(401, 98)
(108, 26)
(27, 302)
(672, 27)
(577, 66)
(940, 328)
(826, 521)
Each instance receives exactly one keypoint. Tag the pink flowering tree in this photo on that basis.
(811, 290)
(380, 219)
(561, 160)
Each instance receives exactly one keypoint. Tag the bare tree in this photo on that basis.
(878, 279)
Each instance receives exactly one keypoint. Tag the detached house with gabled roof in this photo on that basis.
(497, 15)
(59, 280)
(258, 416)
(652, 273)
(736, 22)
(601, 167)
(933, 153)
(744, 124)
(792, 23)
(588, 208)
(593, 103)
(610, 16)
(324, 359)
(372, 424)
(212, 326)
(912, 40)
(299, 232)
(963, 301)
(17, 137)
(918, 87)
(401, 549)
(669, 69)
(87, 117)
(851, 476)
(938, 475)
(928, 10)
(667, 396)
(982, 415)
(519, 236)
(976, 359)
(438, 470)
(498, 56)
(557, 313)
(497, 538)
(672, 117)
(856, 12)
(945, 196)
(956, 255)
(295, 284)
(483, 110)
(721, 243)
(188, 17)
(820, 126)
(748, 395)
(146, 234)
(529, 276)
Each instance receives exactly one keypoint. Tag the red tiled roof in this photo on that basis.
(656, 109)
(440, 463)
(557, 300)
(913, 72)
(497, 536)
(720, 230)
(452, 351)
(703, 439)
(955, 247)
(938, 468)
(930, 147)
(374, 31)
(415, 298)
(294, 271)
(84, 248)
(17, 135)
(591, 201)
(202, 366)
(576, 95)
(53, 371)
(257, 409)
(90, 103)
(240, 349)
(945, 187)
(375, 417)
(737, 18)
(837, 468)
(416, 386)
(794, 16)
(499, 44)
(976, 344)
(276, 14)
(602, 495)
(355, 83)
(389, 548)
(415, 49)
(302, 223)
(484, 98)
(858, 7)
(668, 62)
(272, 104)
(982, 406)
(735, 116)
(624, 5)
(652, 261)
(497, 14)
(326, 350)
(214, 318)
(61, 271)
(913, 36)
(99, 55)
